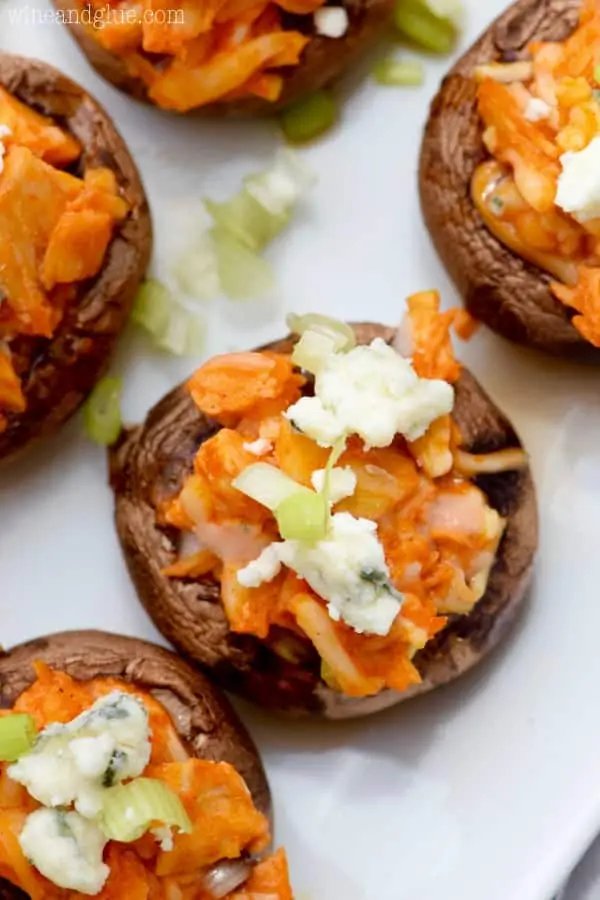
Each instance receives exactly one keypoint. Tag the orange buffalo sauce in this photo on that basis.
(55, 229)
(189, 54)
(226, 824)
(438, 533)
(533, 112)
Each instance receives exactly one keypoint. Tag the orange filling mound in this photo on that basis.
(434, 530)
(55, 229)
(189, 54)
(225, 821)
(516, 192)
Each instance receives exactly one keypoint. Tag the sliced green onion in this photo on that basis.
(453, 10)
(418, 22)
(243, 274)
(185, 335)
(247, 220)
(173, 327)
(312, 350)
(597, 74)
(268, 485)
(102, 412)
(279, 188)
(129, 810)
(303, 517)
(152, 307)
(336, 451)
(340, 332)
(17, 736)
(309, 118)
(396, 72)
(301, 513)
(196, 270)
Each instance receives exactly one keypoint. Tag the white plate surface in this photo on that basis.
(487, 790)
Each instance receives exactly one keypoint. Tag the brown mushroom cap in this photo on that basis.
(150, 466)
(323, 61)
(510, 295)
(65, 368)
(202, 716)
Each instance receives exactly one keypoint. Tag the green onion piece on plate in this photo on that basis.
(17, 736)
(195, 270)
(247, 220)
(131, 809)
(418, 21)
(243, 274)
(398, 73)
(152, 307)
(309, 117)
(303, 517)
(172, 326)
(102, 412)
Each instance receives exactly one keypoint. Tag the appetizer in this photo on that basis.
(333, 523)
(509, 176)
(125, 774)
(227, 56)
(76, 238)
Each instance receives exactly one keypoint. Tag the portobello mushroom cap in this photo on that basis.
(509, 294)
(150, 464)
(64, 369)
(323, 61)
(203, 717)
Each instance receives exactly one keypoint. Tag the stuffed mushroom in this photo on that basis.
(76, 238)
(327, 525)
(124, 773)
(509, 176)
(226, 56)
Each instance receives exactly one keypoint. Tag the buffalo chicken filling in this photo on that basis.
(104, 799)
(539, 194)
(346, 514)
(189, 54)
(55, 229)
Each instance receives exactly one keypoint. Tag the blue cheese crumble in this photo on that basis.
(347, 569)
(373, 392)
(66, 848)
(75, 762)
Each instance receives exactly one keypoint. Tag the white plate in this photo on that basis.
(487, 790)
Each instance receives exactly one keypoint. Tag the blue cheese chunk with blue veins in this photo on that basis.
(73, 763)
(347, 569)
(373, 392)
(66, 849)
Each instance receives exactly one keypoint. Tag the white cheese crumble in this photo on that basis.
(373, 392)
(260, 447)
(164, 836)
(347, 569)
(5, 132)
(537, 109)
(65, 848)
(342, 483)
(331, 21)
(578, 190)
(73, 763)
